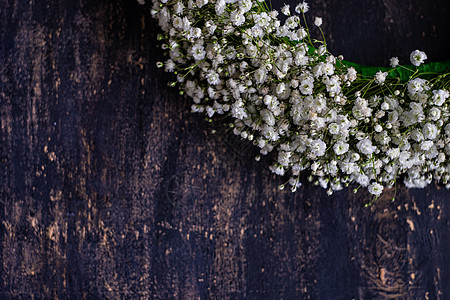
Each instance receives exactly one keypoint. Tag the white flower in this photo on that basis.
(439, 97)
(434, 113)
(210, 111)
(292, 22)
(365, 146)
(281, 88)
(284, 158)
(430, 131)
(201, 3)
(328, 69)
(393, 153)
(220, 7)
(268, 117)
(417, 57)
(417, 135)
(426, 145)
(295, 183)
(260, 75)
(237, 17)
(394, 62)
(301, 34)
(351, 74)
(362, 179)
(361, 110)
(194, 33)
(340, 147)
(186, 24)
(318, 21)
(375, 189)
(322, 50)
(252, 50)
(245, 5)
(169, 65)
(307, 87)
(378, 128)
(302, 8)
(213, 78)
(380, 77)
(333, 128)
(384, 105)
(286, 10)
(416, 86)
(238, 111)
(262, 19)
(318, 147)
(178, 8)
(198, 52)
(277, 170)
(355, 156)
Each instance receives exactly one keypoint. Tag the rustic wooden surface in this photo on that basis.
(110, 188)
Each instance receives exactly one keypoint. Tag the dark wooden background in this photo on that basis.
(111, 189)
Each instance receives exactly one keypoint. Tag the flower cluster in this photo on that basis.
(288, 95)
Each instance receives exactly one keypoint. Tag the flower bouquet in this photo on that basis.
(339, 122)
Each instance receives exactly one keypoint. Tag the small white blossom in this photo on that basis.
(375, 189)
(380, 77)
(351, 74)
(340, 147)
(318, 21)
(365, 146)
(237, 17)
(393, 153)
(213, 78)
(439, 97)
(220, 7)
(430, 131)
(394, 62)
(378, 128)
(286, 10)
(333, 128)
(418, 57)
(198, 52)
(318, 148)
(434, 113)
(302, 8)
(245, 5)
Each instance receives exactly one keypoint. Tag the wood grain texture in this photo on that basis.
(111, 189)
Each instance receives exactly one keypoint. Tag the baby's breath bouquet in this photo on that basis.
(287, 94)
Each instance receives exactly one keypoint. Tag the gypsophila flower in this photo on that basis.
(417, 57)
(340, 147)
(375, 189)
(394, 62)
(380, 77)
(286, 10)
(237, 17)
(365, 146)
(302, 8)
(318, 148)
(318, 21)
(198, 52)
(439, 97)
(430, 131)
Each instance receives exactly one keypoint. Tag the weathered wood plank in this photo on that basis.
(110, 188)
